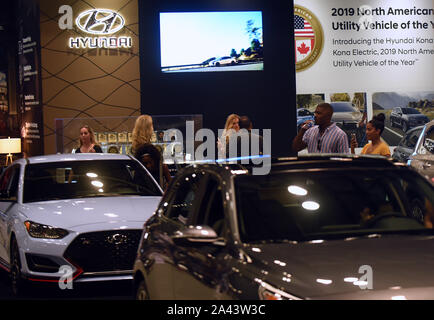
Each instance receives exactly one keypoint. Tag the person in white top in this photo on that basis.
(232, 125)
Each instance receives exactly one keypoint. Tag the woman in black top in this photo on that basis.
(150, 157)
(87, 141)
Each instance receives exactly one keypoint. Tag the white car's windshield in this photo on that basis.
(79, 179)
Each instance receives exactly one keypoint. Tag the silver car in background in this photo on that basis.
(422, 158)
(346, 115)
(407, 144)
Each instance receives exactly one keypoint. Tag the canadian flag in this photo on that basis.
(303, 48)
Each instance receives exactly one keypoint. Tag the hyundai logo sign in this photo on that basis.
(100, 21)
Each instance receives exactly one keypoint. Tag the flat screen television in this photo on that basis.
(211, 41)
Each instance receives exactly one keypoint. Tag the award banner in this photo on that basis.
(29, 90)
(374, 55)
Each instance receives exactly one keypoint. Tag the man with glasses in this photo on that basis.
(323, 137)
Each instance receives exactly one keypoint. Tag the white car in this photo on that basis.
(422, 159)
(222, 61)
(82, 213)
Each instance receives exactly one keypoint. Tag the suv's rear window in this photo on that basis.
(331, 203)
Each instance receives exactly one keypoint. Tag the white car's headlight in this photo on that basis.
(37, 230)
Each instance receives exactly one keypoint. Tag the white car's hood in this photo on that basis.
(68, 214)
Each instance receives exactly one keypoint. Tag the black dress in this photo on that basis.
(95, 147)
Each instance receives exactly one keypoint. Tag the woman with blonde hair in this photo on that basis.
(232, 125)
(142, 132)
(87, 141)
(232, 122)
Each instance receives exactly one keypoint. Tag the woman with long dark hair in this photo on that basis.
(150, 157)
(374, 129)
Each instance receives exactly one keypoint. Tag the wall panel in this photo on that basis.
(86, 83)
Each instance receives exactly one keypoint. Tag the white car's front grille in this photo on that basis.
(105, 250)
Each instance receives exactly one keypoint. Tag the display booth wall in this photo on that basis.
(83, 83)
(377, 55)
(374, 55)
(267, 96)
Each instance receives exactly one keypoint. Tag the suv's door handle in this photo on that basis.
(426, 165)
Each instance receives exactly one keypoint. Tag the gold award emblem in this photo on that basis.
(308, 36)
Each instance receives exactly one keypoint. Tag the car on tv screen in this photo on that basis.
(223, 61)
(207, 62)
(188, 40)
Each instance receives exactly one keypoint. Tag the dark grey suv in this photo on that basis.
(220, 232)
(407, 118)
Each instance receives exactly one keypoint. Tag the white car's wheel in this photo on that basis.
(17, 283)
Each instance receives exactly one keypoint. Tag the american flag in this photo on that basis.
(302, 28)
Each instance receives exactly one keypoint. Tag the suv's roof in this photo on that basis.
(310, 161)
(73, 157)
(332, 160)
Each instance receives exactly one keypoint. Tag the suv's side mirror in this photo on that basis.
(195, 235)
